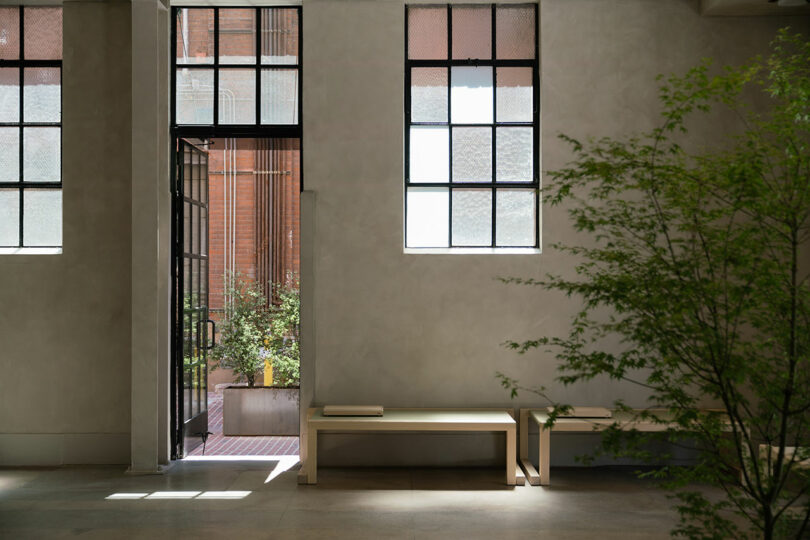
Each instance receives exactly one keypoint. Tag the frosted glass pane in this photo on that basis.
(195, 36)
(427, 223)
(472, 217)
(513, 155)
(279, 96)
(472, 32)
(9, 33)
(430, 154)
(9, 154)
(9, 95)
(279, 36)
(515, 217)
(42, 217)
(237, 96)
(42, 155)
(237, 36)
(514, 95)
(429, 95)
(43, 33)
(9, 217)
(195, 96)
(514, 26)
(472, 154)
(427, 33)
(471, 95)
(42, 95)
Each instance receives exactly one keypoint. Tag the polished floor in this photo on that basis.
(260, 499)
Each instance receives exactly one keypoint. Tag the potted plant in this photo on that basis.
(255, 331)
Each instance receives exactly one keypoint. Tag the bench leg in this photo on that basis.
(544, 455)
(511, 456)
(312, 456)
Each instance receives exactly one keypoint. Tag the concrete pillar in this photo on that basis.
(150, 238)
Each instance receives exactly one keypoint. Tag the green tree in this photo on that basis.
(698, 263)
(244, 330)
(284, 334)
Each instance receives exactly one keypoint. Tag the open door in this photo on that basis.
(191, 338)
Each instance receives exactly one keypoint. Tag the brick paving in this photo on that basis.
(219, 445)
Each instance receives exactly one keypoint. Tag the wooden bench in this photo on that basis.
(625, 420)
(399, 420)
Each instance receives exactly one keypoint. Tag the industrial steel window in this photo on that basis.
(471, 133)
(30, 129)
(237, 67)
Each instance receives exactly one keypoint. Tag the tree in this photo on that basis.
(698, 262)
(284, 333)
(244, 330)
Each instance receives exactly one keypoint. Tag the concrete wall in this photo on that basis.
(65, 319)
(416, 330)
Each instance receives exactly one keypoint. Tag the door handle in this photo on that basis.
(213, 335)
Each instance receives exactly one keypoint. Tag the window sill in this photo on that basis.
(31, 251)
(472, 251)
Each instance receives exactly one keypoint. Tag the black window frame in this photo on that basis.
(493, 185)
(222, 130)
(22, 64)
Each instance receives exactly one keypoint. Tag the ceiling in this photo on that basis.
(750, 7)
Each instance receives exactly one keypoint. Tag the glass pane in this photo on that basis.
(428, 221)
(195, 228)
(42, 217)
(195, 96)
(429, 95)
(472, 32)
(187, 230)
(279, 36)
(472, 154)
(430, 154)
(9, 217)
(513, 159)
(9, 33)
(515, 217)
(237, 36)
(472, 217)
(42, 99)
(427, 33)
(9, 154)
(9, 95)
(514, 27)
(195, 36)
(279, 96)
(204, 231)
(514, 95)
(43, 33)
(42, 154)
(471, 95)
(237, 96)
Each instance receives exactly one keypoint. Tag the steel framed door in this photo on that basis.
(191, 338)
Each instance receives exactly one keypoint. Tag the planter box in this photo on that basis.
(262, 410)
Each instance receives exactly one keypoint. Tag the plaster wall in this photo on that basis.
(65, 319)
(417, 330)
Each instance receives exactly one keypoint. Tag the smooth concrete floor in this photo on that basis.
(358, 503)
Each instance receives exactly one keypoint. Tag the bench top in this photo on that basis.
(626, 420)
(419, 419)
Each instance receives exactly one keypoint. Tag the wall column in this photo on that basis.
(150, 237)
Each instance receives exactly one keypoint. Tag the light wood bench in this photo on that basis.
(625, 420)
(398, 420)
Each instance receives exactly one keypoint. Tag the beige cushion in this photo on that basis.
(353, 410)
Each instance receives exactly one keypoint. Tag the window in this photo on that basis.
(471, 127)
(237, 67)
(30, 128)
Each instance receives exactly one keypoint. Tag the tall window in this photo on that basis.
(237, 67)
(471, 135)
(30, 128)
